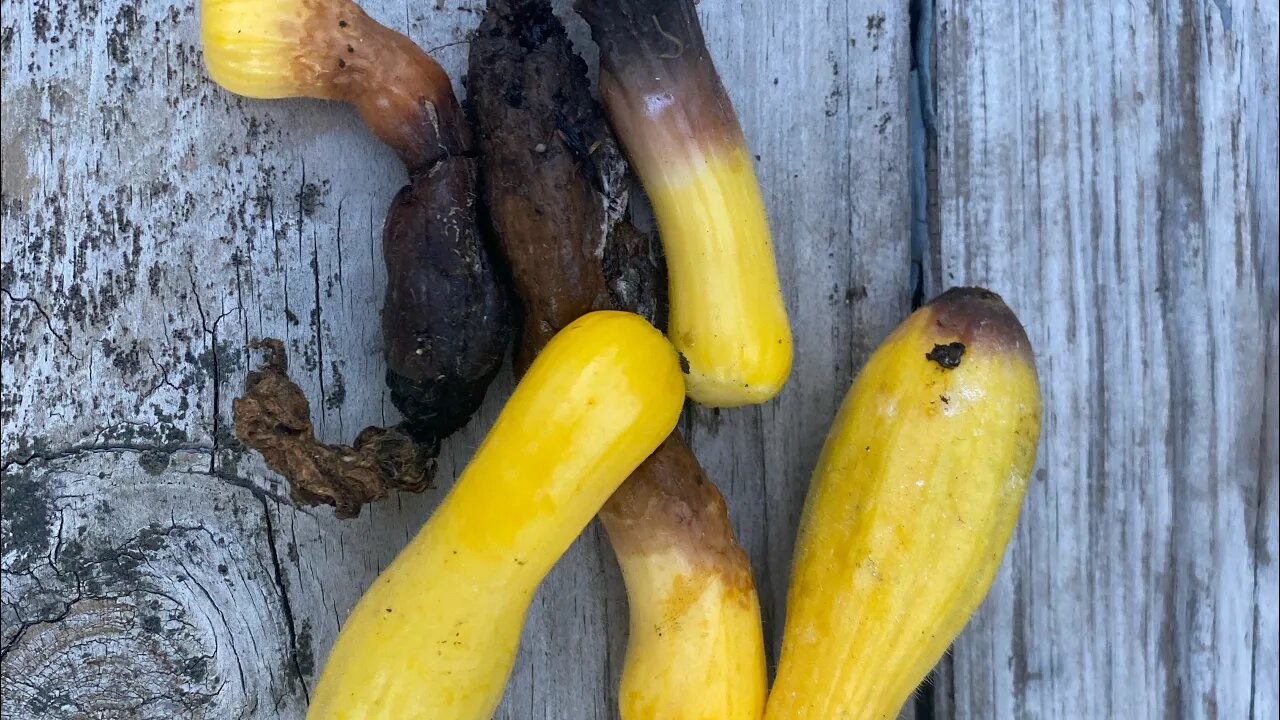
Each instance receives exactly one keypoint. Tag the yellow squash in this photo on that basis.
(434, 638)
(696, 649)
(331, 49)
(727, 316)
(678, 127)
(249, 46)
(911, 506)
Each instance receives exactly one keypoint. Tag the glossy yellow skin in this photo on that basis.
(727, 316)
(696, 649)
(249, 46)
(435, 637)
(911, 506)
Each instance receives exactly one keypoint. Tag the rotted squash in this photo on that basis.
(435, 637)
(664, 98)
(913, 501)
(446, 320)
(695, 649)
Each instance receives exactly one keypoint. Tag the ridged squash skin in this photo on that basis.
(695, 649)
(435, 637)
(914, 498)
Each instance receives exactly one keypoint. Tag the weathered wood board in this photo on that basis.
(1110, 170)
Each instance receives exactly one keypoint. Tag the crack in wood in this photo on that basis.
(48, 321)
(286, 605)
(211, 329)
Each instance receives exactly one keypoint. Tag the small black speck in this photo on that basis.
(342, 63)
(514, 95)
(152, 624)
(948, 356)
(222, 569)
(388, 609)
(684, 362)
(342, 23)
(350, 49)
(944, 398)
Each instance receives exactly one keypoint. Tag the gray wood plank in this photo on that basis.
(1111, 170)
(156, 591)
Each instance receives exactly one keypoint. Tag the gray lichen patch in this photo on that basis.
(26, 518)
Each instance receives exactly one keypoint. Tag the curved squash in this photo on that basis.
(435, 637)
(446, 316)
(678, 127)
(911, 506)
(696, 648)
(332, 50)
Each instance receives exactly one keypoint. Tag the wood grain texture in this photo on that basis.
(151, 595)
(1111, 170)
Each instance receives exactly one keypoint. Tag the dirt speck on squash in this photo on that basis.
(948, 356)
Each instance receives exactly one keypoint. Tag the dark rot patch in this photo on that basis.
(515, 96)
(656, 48)
(948, 356)
(553, 178)
(980, 320)
(669, 504)
(401, 93)
(446, 325)
(445, 317)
